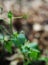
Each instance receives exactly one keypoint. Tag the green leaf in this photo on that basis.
(28, 46)
(33, 45)
(44, 58)
(34, 54)
(18, 39)
(21, 37)
(8, 46)
(15, 34)
(10, 15)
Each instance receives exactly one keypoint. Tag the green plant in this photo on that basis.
(30, 51)
(14, 38)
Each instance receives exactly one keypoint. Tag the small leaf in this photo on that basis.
(34, 54)
(8, 46)
(10, 15)
(15, 34)
(19, 39)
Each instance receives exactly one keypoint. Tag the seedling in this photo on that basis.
(31, 51)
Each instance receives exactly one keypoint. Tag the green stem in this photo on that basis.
(11, 26)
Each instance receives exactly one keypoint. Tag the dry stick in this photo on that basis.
(17, 17)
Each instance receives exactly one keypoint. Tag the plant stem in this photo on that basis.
(11, 26)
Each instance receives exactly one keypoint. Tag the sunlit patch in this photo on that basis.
(36, 27)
